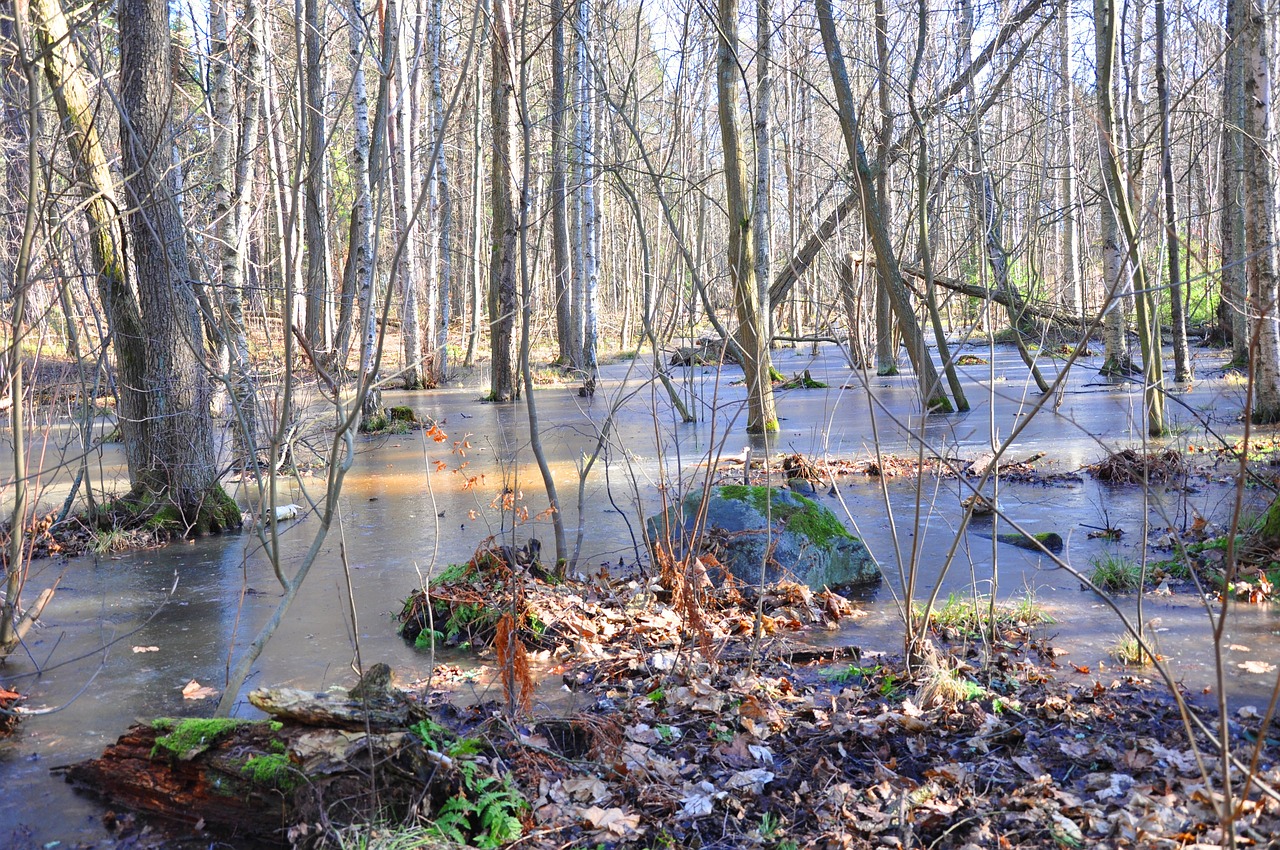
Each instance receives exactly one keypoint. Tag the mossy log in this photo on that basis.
(252, 781)
(212, 786)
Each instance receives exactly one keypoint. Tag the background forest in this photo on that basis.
(408, 192)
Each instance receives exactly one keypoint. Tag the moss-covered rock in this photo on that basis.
(792, 536)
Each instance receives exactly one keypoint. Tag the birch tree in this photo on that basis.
(1260, 191)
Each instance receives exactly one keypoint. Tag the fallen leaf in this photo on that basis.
(755, 779)
(146, 649)
(195, 690)
(1256, 667)
(613, 820)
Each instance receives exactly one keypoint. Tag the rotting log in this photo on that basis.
(380, 712)
(212, 786)
(254, 781)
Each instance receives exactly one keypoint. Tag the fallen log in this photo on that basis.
(254, 781)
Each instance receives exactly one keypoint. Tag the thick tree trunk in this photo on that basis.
(762, 415)
(932, 394)
(179, 466)
(502, 257)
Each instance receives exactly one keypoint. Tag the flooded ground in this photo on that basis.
(126, 633)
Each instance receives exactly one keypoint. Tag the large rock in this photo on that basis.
(809, 543)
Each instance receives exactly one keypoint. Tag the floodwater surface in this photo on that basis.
(125, 633)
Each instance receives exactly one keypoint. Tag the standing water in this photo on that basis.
(126, 633)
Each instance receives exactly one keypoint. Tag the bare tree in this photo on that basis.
(762, 416)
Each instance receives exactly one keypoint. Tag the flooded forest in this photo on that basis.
(639, 424)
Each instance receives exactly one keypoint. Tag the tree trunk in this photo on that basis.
(316, 216)
(1181, 355)
(360, 252)
(924, 207)
(762, 416)
(235, 176)
(179, 465)
(1072, 289)
(502, 257)
(589, 214)
(1233, 295)
(64, 69)
(932, 394)
(762, 216)
(477, 199)
(886, 345)
(1260, 188)
(443, 213)
(561, 270)
(1116, 180)
(403, 174)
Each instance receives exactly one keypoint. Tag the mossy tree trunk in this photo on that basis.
(169, 437)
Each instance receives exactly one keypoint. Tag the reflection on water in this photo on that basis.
(411, 505)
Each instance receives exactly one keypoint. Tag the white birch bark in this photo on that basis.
(362, 211)
(1260, 174)
(402, 172)
(590, 223)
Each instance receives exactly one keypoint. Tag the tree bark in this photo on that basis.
(316, 215)
(1260, 188)
(561, 270)
(502, 262)
(1233, 295)
(1072, 288)
(442, 215)
(179, 465)
(762, 416)
(1181, 355)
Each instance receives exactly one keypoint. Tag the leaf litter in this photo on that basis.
(712, 736)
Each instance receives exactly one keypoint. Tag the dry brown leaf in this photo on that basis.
(195, 690)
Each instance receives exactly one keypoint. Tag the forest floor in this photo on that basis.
(712, 721)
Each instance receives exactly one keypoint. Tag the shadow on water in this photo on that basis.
(119, 641)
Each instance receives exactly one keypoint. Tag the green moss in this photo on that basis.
(273, 770)
(401, 413)
(807, 518)
(373, 424)
(188, 738)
